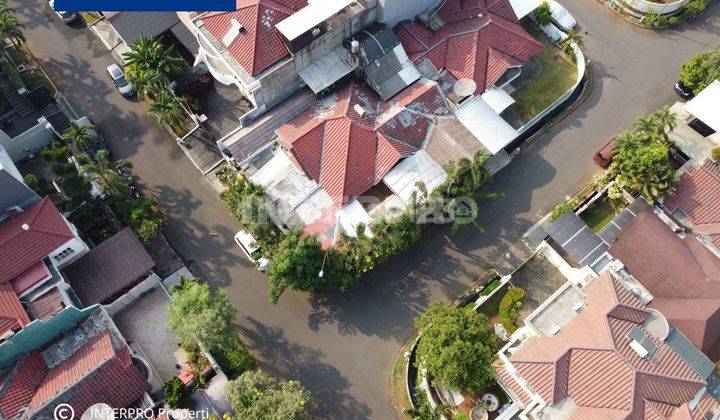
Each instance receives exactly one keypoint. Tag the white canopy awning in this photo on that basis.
(498, 99)
(485, 124)
(706, 106)
(523, 8)
(418, 167)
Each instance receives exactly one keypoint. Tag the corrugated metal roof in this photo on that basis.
(131, 25)
(418, 167)
(497, 99)
(485, 124)
(706, 105)
(328, 69)
(577, 239)
(689, 353)
(186, 37)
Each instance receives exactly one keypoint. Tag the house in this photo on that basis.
(81, 360)
(263, 46)
(110, 269)
(696, 201)
(611, 358)
(680, 273)
(705, 113)
(35, 243)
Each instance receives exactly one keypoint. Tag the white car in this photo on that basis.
(561, 16)
(249, 246)
(66, 17)
(118, 78)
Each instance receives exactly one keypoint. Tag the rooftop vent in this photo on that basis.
(641, 343)
(359, 109)
(25, 227)
(232, 33)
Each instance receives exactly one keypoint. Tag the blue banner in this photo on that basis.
(145, 5)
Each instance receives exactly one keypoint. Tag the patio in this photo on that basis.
(540, 279)
(223, 105)
(144, 323)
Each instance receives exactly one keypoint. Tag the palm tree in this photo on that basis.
(79, 136)
(106, 174)
(666, 121)
(167, 109)
(6, 10)
(572, 36)
(11, 28)
(151, 54)
(147, 82)
(467, 177)
(648, 127)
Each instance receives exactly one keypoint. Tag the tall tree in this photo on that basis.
(152, 54)
(701, 70)
(11, 28)
(666, 121)
(147, 82)
(105, 173)
(457, 346)
(199, 315)
(642, 164)
(572, 37)
(167, 109)
(80, 136)
(256, 395)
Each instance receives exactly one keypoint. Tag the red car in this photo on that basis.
(603, 157)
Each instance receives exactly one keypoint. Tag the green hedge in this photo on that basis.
(12, 74)
(235, 360)
(510, 304)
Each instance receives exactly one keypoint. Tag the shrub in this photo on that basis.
(694, 8)
(31, 181)
(461, 416)
(715, 153)
(563, 208)
(543, 14)
(141, 214)
(235, 359)
(175, 393)
(509, 306)
(674, 20)
(57, 151)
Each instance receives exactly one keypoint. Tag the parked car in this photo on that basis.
(100, 143)
(603, 157)
(118, 78)
(683, 91)
(66, 17)
(249, 246)
(561, 16)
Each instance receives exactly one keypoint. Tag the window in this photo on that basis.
(64, 254)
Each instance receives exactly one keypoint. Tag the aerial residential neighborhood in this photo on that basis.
(360, 209)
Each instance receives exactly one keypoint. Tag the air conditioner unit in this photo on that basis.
(20, 68)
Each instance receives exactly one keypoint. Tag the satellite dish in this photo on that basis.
(99, 411)
(464, 87)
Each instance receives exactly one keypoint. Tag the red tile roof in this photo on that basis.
(481, 48)
(590, 360)
(12, 315)
(21, 249)
(348, 153)
(682, 275)
(20, 383)
(259, 45)
(697, 196)
(96, 372)
(451, 11)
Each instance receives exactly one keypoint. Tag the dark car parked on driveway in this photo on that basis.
(683, 91)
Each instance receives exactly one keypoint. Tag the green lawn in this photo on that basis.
(600, 214)
(558, 74)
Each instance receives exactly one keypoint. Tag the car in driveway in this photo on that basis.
(603, 157)
(66, 17)
(118, 78)
(561, 16)
(249, 246)
(683, 91)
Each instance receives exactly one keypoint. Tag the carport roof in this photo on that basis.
(132, 25)
(577, 239)
(706, 105)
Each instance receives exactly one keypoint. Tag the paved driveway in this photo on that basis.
(342, 347)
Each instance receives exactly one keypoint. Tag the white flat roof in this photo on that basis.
(706, 105)
(418, 167)
(485, 124)
(309, 17)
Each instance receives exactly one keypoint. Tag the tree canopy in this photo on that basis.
(701, 70)
(256, 395)
(199, 315)
(457, 347)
